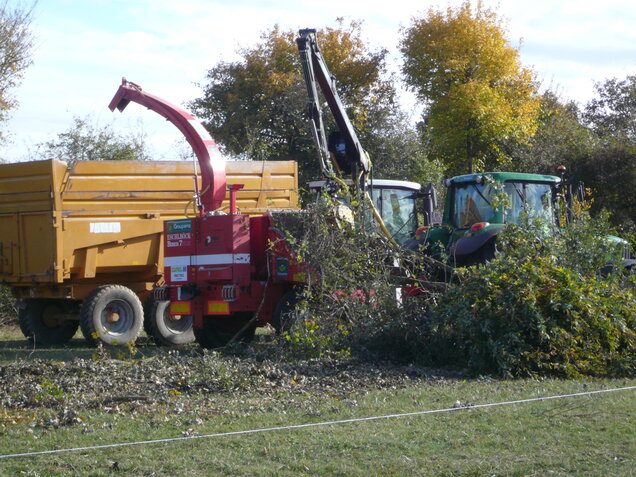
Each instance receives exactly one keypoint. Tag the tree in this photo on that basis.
(84, 141)
(256, 107)
(16, 46)
(561, 138)
(400, 153)
(613, 114)
(610, 168)
(479, 97)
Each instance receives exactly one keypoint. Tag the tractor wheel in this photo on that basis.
(167, 329)
(217, 332)
(46, 322)
(284, 317)
(489, 251)
(112, 314)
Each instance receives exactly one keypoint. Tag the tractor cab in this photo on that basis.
(394, 200)
(491, 199)
(479, 206)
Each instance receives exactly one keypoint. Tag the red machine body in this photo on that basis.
(230, 272)
(228, 265)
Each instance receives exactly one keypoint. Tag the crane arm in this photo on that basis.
(210, 159)
(316, 71)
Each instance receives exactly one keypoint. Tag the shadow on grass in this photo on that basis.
(13, 348)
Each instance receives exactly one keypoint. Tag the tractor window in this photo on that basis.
(397, 208)
(471, 204)
(533, 198)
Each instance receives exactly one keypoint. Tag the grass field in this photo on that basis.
(52, 401)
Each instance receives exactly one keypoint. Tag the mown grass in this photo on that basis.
(583, 436)
(590, 435)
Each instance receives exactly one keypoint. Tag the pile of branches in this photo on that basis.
(353, 304)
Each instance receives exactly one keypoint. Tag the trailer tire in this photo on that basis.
(40, 325)
(24, 322)
(217, 332)
(165, 329)
(284, 317)
(112, 314)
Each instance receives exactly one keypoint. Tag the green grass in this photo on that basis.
(590, 435)
(584, 436)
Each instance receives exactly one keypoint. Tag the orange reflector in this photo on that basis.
(180, 308)
(218, 308)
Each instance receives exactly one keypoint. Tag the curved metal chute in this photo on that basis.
(210, 159)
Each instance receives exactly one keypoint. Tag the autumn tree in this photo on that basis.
(478, 96)
(256, 107)
(16, 46)
(85, 141)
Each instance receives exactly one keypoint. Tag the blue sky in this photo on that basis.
(84, 47)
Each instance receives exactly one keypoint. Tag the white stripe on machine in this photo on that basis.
(216, 259)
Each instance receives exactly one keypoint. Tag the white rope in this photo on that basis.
(315, 424)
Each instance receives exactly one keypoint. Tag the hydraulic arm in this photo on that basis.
(341, 151)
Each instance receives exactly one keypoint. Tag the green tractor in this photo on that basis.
(478, 207)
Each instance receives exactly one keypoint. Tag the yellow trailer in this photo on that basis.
(67, 233)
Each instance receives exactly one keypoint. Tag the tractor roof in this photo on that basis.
(503, 177)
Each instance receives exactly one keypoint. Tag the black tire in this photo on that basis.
(23, 321)
(284, 317)
(45, 322)
(218, 331)
(112, 314)
(166, 329)
(489, 251)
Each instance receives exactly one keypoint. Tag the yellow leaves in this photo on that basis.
(457, 45)
(460, 62)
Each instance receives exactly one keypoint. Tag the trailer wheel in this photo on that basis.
(24, 322)
(112, 314)
(218, 331)
(167, 329)
(46, 322)
(284, 317)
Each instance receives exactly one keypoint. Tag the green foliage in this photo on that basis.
(561, 139)
(400, 152)
(84, 141)
(612, 115)
(540, 308)
(350, 307)
(553, 302)
(16, 47)
(610, 167)
(479, 96)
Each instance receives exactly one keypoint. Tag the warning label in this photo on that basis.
(178, 274)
